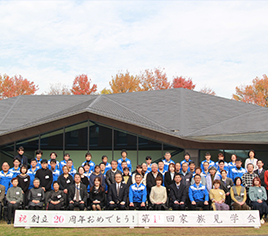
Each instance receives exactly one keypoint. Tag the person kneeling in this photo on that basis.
(14, 198)
(36, 196)
(198, 194)
(77, 194)
(56, 198)
(178, 194)
(117, 195)
(97, 195)
(158, 195)
(217, 196)
(137, 194)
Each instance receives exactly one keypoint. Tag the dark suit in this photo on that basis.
(261, 176)
(129, 182)
(121, 197)
(168, 181)
(23, 160)
(83, 195)
(150, 180)
(226, 187)
(110, 176)
(179, 195)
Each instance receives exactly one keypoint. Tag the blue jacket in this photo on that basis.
(72, 172)
(62, 163)
(38, 163)
(166, 163)
(231, 165)
(15, 172)
(32, 173)
(91, 164)
(137, 193)
(108, 167)
(198, 194)
(234, 172)
(57, 165)
(226, 166)
(119, 167)
(211, 163)
(55, 174)
(149, 168)
(5, 179)
(183, 161)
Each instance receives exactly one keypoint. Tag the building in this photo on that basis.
(143, 123)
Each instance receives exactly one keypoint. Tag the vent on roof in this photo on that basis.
(175, 130)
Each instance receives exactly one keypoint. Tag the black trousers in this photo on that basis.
(137, 206)
(199, 204)
(77, 204)
(261, 207)
(11, 209)
(117, 206)
(159, 207)
(35, 207)
(54, 206)
(178, 207)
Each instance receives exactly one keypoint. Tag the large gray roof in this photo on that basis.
(191, 114)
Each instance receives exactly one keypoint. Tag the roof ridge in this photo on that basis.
(56, 112)
(95, 100)
(7, 113)
(138, 114)
(235, 117)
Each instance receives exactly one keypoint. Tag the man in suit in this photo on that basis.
(151, 176)
(117, 195)
(77, 194)
(260, 172)
(178, 194)
(110, 174)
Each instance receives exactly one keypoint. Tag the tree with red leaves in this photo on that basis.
(255, 93)
(154, 80)
(15, 86)
(81, 86)
(180, 82)
(124, 83)
(207, 91)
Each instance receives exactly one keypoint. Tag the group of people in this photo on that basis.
(54, 185)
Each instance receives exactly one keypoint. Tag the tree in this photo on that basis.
(256, 93)
(15, 86)
(58, 89)
(81, 85)
(207, 91)
(180, 82)
(154, 80)
(105, 91)
(124, 83)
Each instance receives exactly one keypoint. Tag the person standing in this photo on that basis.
(251, 159)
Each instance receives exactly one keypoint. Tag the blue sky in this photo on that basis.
(219, 44)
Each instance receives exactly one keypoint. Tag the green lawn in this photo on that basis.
(6, 230)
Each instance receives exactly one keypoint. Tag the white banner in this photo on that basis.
(27, 218)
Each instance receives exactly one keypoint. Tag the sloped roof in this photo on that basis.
(191, 114)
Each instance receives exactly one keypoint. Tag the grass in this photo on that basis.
(10, 230)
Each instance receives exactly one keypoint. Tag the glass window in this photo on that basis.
(7, 153)
(150, 148)
(100, 137)
(76, 137)
(52, 140)
(30, 145)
